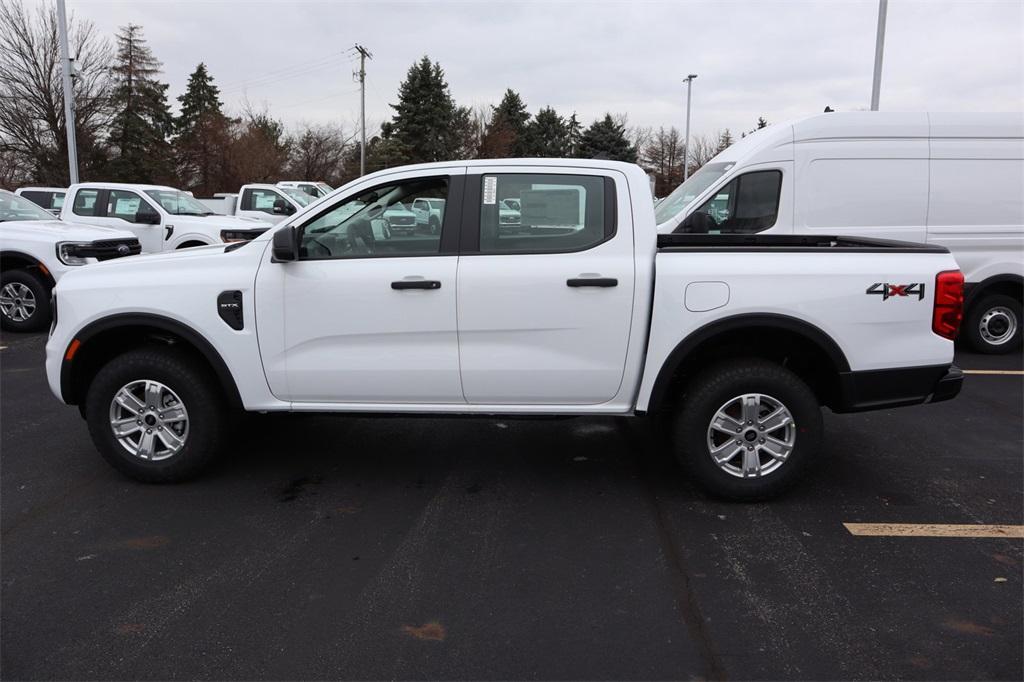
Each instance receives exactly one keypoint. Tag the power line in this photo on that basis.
(279, 75)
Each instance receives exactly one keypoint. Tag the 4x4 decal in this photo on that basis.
(886, 290)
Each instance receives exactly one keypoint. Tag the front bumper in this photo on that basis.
(886, 388)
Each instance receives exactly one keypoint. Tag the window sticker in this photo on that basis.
(490, 190)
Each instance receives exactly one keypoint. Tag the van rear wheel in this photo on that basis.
(747, 429)
(993, 324)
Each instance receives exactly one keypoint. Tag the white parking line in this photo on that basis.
(1011, 372)
(935, 530)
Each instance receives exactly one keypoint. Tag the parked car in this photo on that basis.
(269, 203)
(948, 179)
(315, 189)
(510, 214)
(738, 340)
(36, 250)
(50, 198)
(163, 218)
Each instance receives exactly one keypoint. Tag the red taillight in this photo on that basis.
(949, 303)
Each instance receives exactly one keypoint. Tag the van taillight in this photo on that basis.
(949, 303)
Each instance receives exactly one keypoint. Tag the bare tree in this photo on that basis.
(318, 153)
(703, 148)
(32, 127)
(663, 155)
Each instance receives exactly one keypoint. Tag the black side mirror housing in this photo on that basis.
(147, 217)
(284, 248)
(282, 206)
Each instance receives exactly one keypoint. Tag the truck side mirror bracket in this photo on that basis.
(284, 248)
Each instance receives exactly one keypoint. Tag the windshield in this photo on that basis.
(299, 196)
(13, 207)
(675, 202)
(178, 203)
(324, 188)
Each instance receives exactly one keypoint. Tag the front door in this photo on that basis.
(545, 303)
(362, 317)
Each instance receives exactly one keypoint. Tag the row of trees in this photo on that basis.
(126, 130)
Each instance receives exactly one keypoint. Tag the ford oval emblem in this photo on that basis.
(123, 250)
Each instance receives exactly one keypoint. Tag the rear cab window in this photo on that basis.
(544, 213)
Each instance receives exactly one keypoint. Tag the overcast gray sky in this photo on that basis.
(779, 59)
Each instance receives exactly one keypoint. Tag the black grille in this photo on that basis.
(109, 248)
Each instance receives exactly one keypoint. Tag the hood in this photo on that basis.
(179, 255)
(59, 231)
(222, 222)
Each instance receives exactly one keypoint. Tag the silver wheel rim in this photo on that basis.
(998, 325)
(751, 435)
(149, 420)
(17, 302)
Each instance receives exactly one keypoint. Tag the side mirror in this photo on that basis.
(147, 217)
(282, 206)
(284, 247)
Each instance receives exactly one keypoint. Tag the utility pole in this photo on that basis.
(69, 97)
(686, 142)
(876, 83)
(364, 54)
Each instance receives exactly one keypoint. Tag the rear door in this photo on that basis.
(545, 305)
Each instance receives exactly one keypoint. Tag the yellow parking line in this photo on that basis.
(1012, 372)
(935, 530)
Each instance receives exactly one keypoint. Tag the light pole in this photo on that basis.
(686, 141)
(69, 98)
(876, 82)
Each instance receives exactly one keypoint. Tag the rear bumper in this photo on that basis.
(882, 389)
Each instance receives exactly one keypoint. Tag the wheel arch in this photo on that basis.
(801, 346)
(102, 339)
(18, 260)
(1008, 284)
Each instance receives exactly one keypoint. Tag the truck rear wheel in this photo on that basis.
(155, 416)
(993, 324)
(24, 302)
(747, 429)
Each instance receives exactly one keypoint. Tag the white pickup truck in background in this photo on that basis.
(260, 201)
(50, 198)
(36, 250)
(315, 189)
(163, 218)
(739, 340)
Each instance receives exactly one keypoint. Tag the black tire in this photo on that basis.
(996, 312)
(716, 387)
(203, 401)
(40, 315)
(435, 226)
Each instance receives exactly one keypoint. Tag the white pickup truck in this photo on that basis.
(163, 218)
(36, 250)
(260, 201)
(738, 340)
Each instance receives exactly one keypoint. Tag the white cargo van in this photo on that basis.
(955, 180)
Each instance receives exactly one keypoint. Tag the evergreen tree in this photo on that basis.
(575, 134)
(506, 134)
(762, 122)
(203, 136)
(424, 125)
(725, 139)
(547, 135)
(142, 120)
(606, 139)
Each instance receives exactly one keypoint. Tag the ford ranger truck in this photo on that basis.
(737, 341)
(36, 250)
(163, 218)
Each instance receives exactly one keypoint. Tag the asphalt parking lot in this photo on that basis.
(344, 547)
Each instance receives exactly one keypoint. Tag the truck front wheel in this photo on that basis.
(24, 302)
(155, 416)
(747, 429)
